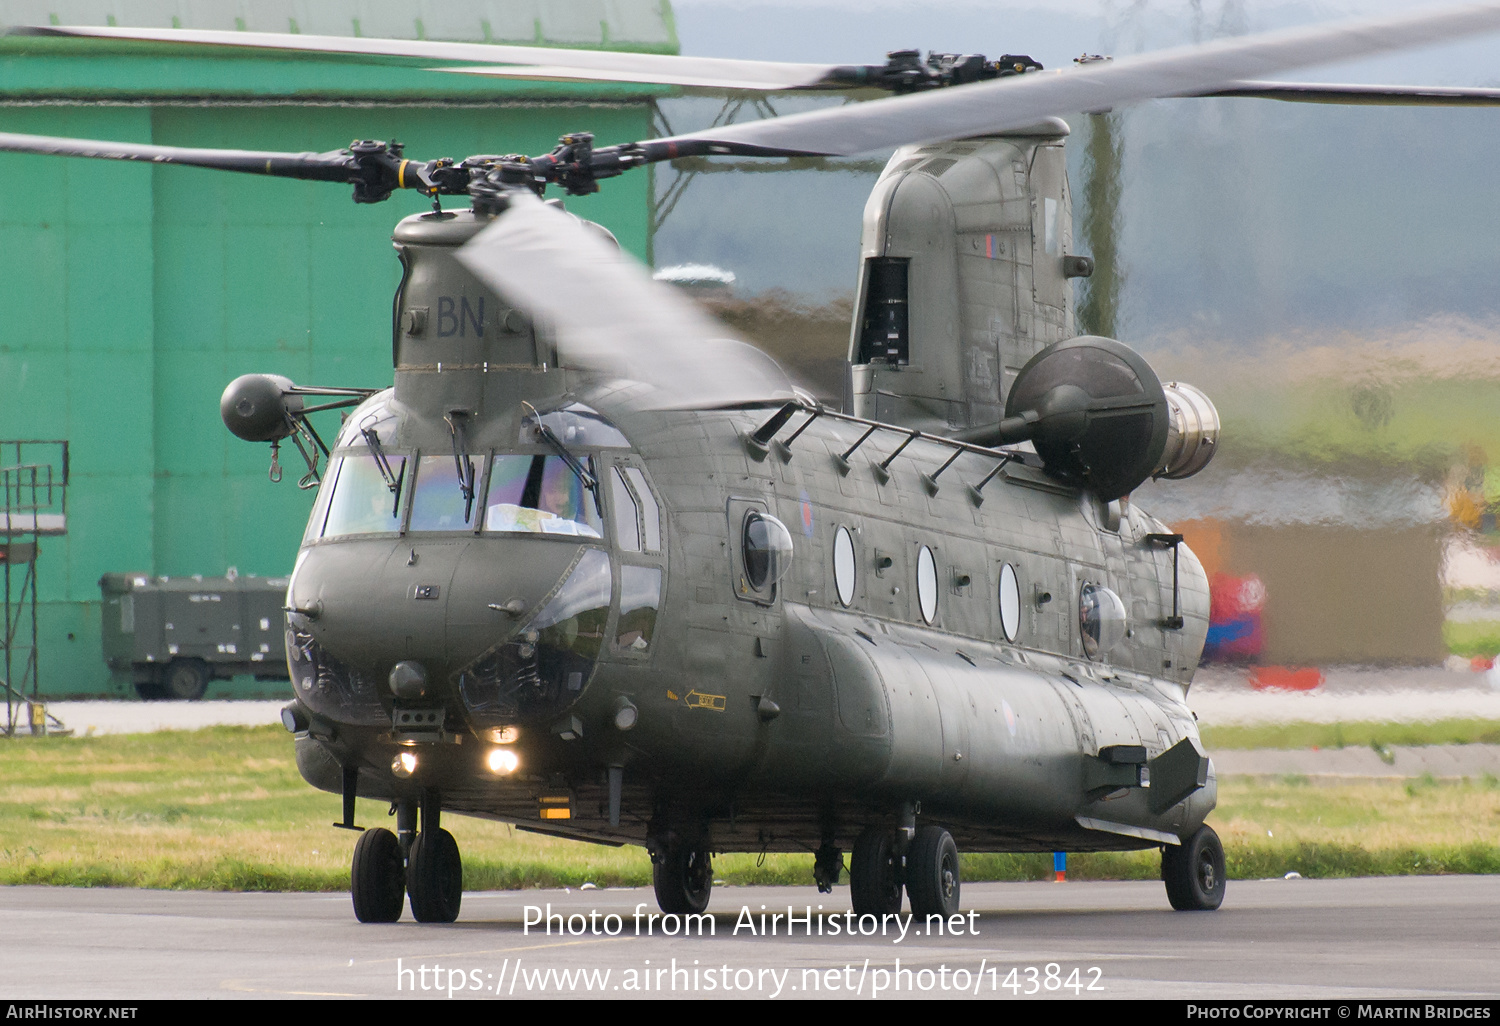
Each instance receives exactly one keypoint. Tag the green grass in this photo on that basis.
(1471, 638)
(1352, 735)
(225, 809)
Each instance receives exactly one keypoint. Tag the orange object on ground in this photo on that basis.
(1285, 678)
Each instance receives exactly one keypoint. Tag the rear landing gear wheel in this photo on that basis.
(875, 874)
(435, 877)
(932, 873)
(684, 879)
(377, 879)
(1194, 872)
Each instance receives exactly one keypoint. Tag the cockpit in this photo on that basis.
(370, 489)
(570, 476)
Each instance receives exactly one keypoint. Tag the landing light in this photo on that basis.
(404, 765)
(503, 760)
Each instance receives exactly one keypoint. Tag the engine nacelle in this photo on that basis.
(1100, 418)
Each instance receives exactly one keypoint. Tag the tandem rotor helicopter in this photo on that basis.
(593, 569)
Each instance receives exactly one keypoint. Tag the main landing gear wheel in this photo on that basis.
(932, 872)
(684, 879)
(875, 874)
(377, 879)
(1194, 872)
(435, 877)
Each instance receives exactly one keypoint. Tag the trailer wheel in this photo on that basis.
(184, 679)
(149, 690)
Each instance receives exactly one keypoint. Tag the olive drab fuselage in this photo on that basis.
(631, 639)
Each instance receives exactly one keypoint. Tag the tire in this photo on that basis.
(875, 874)
(1194, 872)
(184, 679)
(435, 877)
(683, 879)
(932, 878)
(377, 878)
(150, 690)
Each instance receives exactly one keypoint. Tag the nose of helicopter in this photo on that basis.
(371, 603)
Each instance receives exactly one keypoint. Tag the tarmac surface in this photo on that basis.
(1394, 937)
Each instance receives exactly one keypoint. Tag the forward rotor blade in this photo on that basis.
(610, 316)
(336, 166)
(527, 61)
(1012, 103)
(1363, 95)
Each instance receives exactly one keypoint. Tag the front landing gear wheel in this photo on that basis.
(875, 874)
(1194, 872)
(377, 879)
(932, 872)
(435, 877)
(684, 879)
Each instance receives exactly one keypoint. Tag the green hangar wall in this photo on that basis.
(134, 293)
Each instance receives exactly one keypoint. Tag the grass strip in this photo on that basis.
(1352, 735)
(224, 809)
(1470, 638)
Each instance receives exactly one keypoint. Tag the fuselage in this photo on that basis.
(924, 648)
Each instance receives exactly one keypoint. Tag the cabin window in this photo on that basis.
(541, 495)
(363, 501)
(843, 565)
(1010, 602)
(1101, 620)
(767, 550)
(927, 584)
(438, 502)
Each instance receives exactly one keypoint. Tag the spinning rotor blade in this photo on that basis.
(1366, 95)
(506, 61)
(324, 167)
(609, 315)
(374, 169)
(1011, 103)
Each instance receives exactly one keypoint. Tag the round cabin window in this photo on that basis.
(843, 565)
(767, 550)
(927, 585)
(1010, 602)
(1101, 620)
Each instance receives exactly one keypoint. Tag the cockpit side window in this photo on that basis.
(650, 512)
(537, 494)
(627, 526)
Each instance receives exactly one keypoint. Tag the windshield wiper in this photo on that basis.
(383, 464)
(459, 426)
(574, 464)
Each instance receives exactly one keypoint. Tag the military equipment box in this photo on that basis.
(169, 636)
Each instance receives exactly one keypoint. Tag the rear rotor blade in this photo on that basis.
(1012, 103)
(609, 315)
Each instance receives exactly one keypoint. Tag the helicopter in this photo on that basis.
(591, 568)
